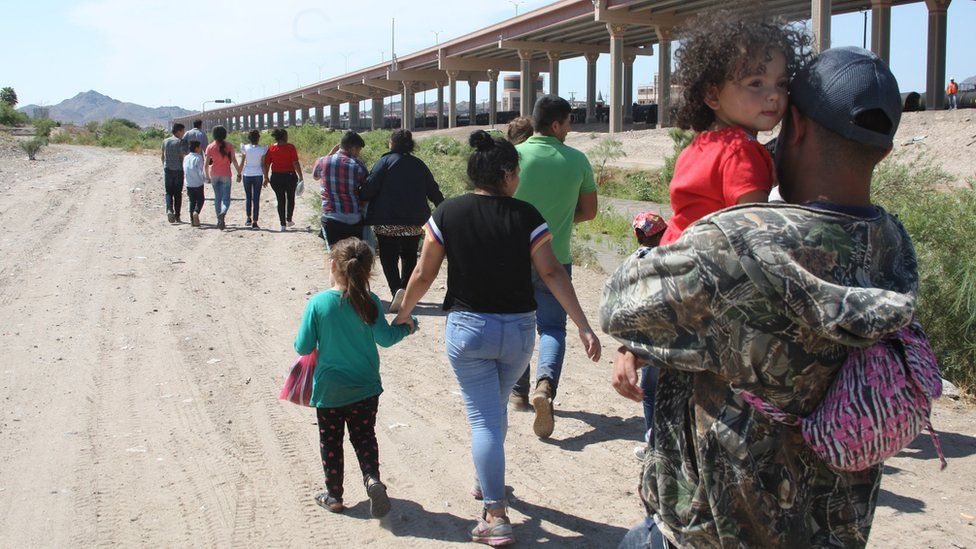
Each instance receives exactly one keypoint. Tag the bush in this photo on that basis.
(42, 127)
(681, 138)
(943, 230)
(32, 147)
(10, 116)
(153, 133)
(121, 122)
(605, 151)
(649, 187)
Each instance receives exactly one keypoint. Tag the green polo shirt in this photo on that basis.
(553, 177)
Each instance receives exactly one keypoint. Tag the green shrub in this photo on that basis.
(42, 127)
(605, 151)
(943, 230)
(32, 147)
(649, 187)
(121, 122)
(442, 145)
(153, 133)
(681, 138)
(10, 116)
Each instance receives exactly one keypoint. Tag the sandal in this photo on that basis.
(379, 502)
(330, 503)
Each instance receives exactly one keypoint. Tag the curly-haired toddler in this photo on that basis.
(734, 71)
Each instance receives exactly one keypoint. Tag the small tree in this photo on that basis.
(32, 147)
(8, 96)
(605, 151)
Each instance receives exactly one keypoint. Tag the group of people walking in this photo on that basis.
(188, 158)
(735, 309)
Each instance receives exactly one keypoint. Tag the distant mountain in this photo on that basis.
(91, 105)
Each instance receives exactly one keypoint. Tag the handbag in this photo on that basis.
(298, 382)
(880, 400)
(299, 187)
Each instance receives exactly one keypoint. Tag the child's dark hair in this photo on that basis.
(519, 130)
(491, 159)
(722, 45)
(220, 136)
(254, 136)
(354, 261)
(279, 134)
(194, 146)
(401, 141)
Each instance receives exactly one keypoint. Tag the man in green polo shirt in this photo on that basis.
(558, 180)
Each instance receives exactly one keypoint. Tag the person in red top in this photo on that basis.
(728, 99)
(286, 171)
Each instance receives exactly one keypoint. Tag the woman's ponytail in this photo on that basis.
(354, 262)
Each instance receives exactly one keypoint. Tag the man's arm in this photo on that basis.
(586, 207)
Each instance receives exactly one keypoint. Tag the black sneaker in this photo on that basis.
(220, 222)
(248, 222)
(171, 217)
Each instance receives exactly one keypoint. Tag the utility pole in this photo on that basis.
(437, 35)
(516, 4)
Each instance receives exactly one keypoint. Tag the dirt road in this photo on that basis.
(141, 362)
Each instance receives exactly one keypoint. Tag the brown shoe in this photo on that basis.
(195, 219)
(542, 402)
(519, 402)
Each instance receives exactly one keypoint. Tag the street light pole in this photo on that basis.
(516, 3)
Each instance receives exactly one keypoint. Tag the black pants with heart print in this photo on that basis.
(360, 417)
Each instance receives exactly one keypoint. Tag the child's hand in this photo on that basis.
(409, 322)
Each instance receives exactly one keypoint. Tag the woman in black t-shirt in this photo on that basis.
(491, 242)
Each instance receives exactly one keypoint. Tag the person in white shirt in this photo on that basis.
(254, 178)
(193, 172)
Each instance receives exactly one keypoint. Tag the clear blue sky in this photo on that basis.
(155, 52)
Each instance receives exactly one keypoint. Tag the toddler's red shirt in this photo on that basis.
(712, 173)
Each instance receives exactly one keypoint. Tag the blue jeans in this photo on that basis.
(221, 189)
(551, 325)
(648, 384)
(644, 536)
(488, 353)
(252, 194)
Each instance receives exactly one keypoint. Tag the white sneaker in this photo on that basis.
(640, 452)
(291, 223)
(283, 228)
(397, 300)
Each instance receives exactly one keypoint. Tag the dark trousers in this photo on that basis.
(361, 419)
(252, 193)
(398, 255)
(283, 184)
(336, 231)
(195, 196)
(174, 190)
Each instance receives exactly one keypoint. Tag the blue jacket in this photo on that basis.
(398, 189)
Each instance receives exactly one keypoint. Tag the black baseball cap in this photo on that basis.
(842, 83)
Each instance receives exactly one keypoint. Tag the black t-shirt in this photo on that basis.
(489, 242)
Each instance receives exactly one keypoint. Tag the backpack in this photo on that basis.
(880, 400)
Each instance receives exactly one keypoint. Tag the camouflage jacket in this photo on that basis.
(767, 299)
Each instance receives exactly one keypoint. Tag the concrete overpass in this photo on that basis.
(536, 42)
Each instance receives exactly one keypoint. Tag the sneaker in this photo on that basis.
(640, 452)
(519, 402)
(195, 219)
(283, 228)
(397, 300)
(171, 217)
(248, 222)
(178, 220)
(499, 532)
(291, 223)
(379, 502)
(220, 222)
(542, 402)
(254, 226)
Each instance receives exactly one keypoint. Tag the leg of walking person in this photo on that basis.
(215, 186)
(408, 257)
(178, 194)
(247, 199)
(331, 424)
(551, 325)
(361, 419)
(290, 199)
(336, 231)
(169, 181)
(225, 196)
(644, 536)
(389, 257)
(278, 186)
(473, 342)
(256, 196)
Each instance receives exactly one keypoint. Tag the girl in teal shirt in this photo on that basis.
(345, 325)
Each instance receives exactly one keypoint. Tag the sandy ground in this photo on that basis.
(141, 363)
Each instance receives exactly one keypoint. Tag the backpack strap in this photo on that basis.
(768, 410)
